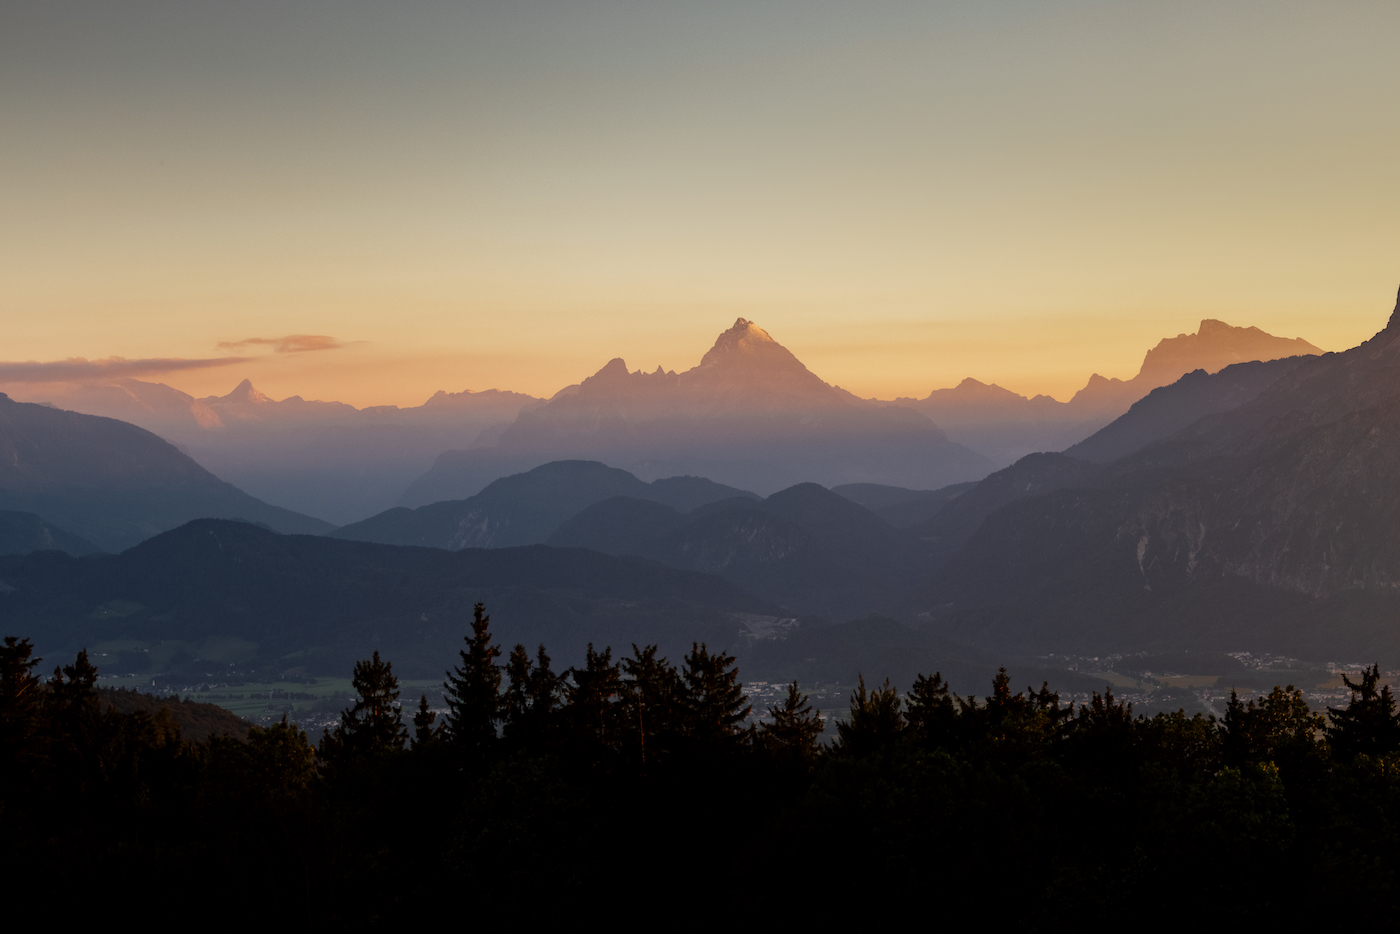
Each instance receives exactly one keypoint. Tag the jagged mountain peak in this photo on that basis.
(1213, 327)
(744, 360)
(1393, 325)
(245, 393)
(744, 340)
(1216, 345)
(747, 358)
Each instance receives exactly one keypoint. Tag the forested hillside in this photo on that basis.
(550, 788)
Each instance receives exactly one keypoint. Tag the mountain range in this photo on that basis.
(1248, 507)
(526, 508)
(218, 601)
(1268, 524)
(1005, 425)
(113, 484)
(327, 459)
(749, 415)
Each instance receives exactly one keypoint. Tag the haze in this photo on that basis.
(452, 196)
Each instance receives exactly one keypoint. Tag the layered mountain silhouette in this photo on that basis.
(1168, 409)
(23, 532)
(218, 600)
(750, 415)
(526, 508)
(296, 605)
(805, 548)
(1005, 425)
(1269, 525)
(326, 459)
(113, 484)
(899, 507)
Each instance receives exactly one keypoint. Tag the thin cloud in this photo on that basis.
(80, 368)
(292, 343)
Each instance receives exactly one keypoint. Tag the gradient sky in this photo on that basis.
(469, 195)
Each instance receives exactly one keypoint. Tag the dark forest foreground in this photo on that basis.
(635, 785)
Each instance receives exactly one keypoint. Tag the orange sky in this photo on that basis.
(508, 195)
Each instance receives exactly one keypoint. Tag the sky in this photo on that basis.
(371, 202)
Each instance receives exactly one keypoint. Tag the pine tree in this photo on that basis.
(473, 688)
(650, 697)
(22, 733)
(794, 729)
(75, 685)
(72, 699)
(1368, 724)
(423, 719)
(592, 702)
(516, 704)
(712, 698)
(875, 720)
(375, 723)
(531, 699)
(932, 714)
(81, 743)
(1279, 728)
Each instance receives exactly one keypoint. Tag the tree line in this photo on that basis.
(639, 780)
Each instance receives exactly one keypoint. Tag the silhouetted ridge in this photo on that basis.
(112, 483)
(526, 508)
(1269, 525)
(23, 532)
(749, 415)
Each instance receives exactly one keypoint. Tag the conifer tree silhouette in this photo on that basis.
(423, 719)
(473, 688)
(1368, 724)
(711, 695)
(375, 722)
(794, 728)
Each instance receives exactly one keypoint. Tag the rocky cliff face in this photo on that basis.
(1299, 488)
(1296, 492)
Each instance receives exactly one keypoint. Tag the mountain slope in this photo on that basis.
(112, 483)
(324, 458)
(805, 548)
(296, 605)
(218, 601)
(1270, 525)
(526, 508)
(1006, 425)
(899, 507)
(750, 415)
(1169, 409)
(23, 532)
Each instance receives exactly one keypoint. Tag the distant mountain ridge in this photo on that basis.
(299, 605)
(749, 415)
(1169, 409)
(24, 532)
(807, 549)
(327, 459)
(526, 508)
(1006, 426)
(1270, 524)
(112, 483)
(216, 599)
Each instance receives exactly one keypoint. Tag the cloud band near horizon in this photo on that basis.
(292, 343)
(80, 368)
